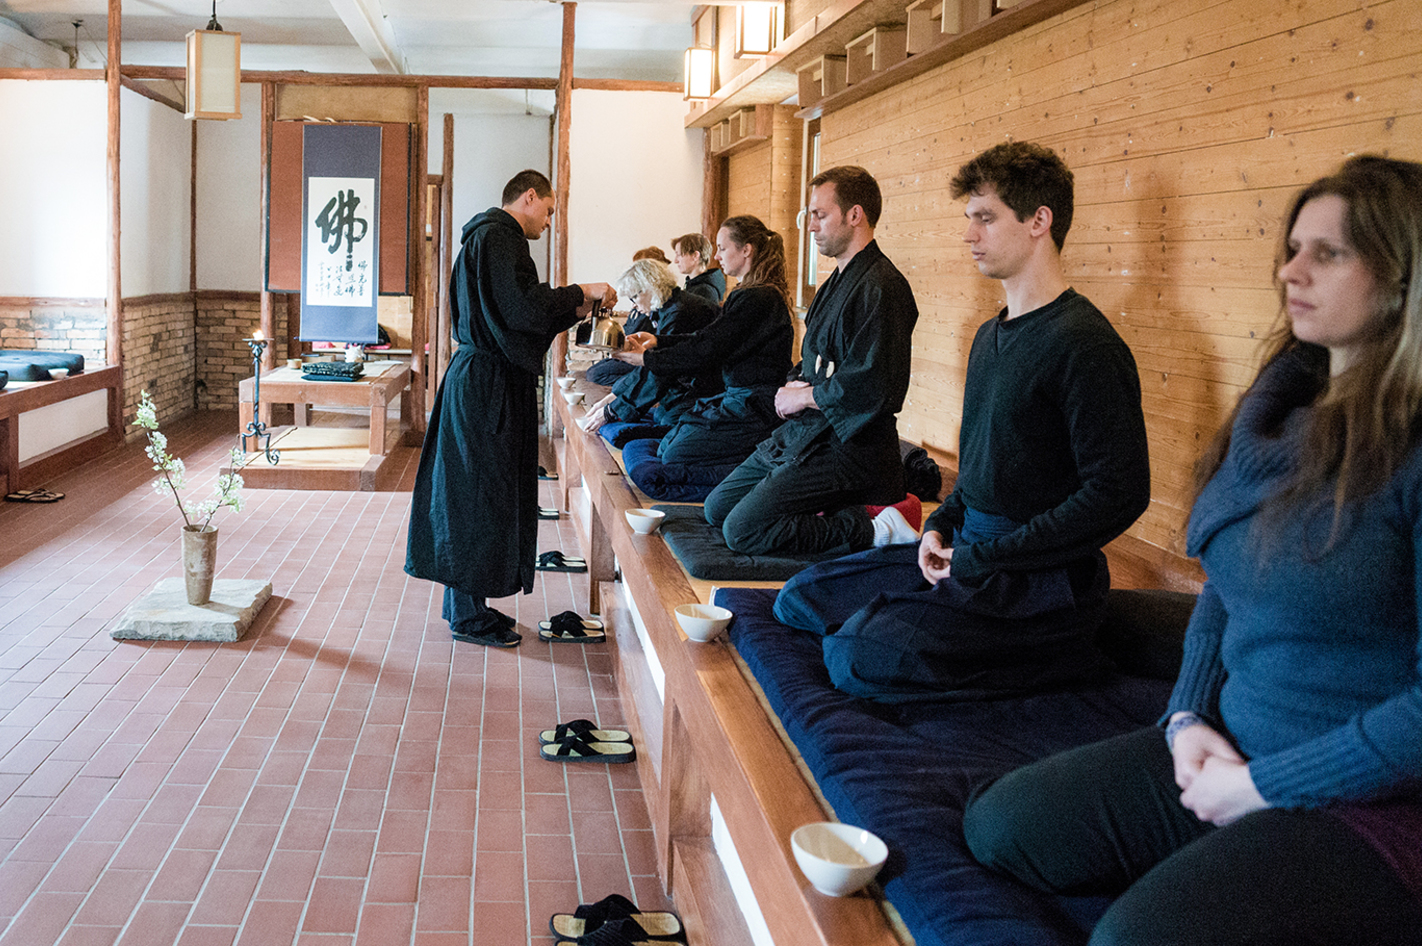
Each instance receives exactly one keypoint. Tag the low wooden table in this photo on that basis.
(318, 457)
(19, 398)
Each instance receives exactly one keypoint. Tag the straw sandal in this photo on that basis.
(620, 917)
(583, 729)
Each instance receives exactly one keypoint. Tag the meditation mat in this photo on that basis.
(906, 771)
(670, 482)
(702, 550)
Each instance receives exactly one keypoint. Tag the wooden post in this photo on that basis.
(564, 166)
(419, 325)
(561, 182)
(268, 317)
(114, 81)
(192, 244)
(446, 248)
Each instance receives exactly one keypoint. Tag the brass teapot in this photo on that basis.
(600, 332)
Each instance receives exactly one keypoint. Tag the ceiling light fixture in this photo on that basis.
(214, 72)
(700, 73)
(757, 29)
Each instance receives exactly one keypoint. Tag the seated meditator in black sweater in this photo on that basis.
(1005, 589)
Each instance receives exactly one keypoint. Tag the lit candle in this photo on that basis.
(257, 335)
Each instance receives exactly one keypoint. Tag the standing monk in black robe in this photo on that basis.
(804, 489)
(474, 513)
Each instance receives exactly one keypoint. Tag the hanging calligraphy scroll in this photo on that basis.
(340, 244)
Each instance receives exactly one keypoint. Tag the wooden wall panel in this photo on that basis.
(800, 12)
(765, 181)
(1189, 124)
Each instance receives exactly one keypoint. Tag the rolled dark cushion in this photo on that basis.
(23, 364)
(1144, 631)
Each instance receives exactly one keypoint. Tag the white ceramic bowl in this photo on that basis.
(702, 622)
(566, 381)
(56, 373)
(645, 521)
(572, 397)
(836, 858)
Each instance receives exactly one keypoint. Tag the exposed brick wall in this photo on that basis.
(77, 329)
(223, 359)
(158, 347)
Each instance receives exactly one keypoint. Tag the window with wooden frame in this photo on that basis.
(809, 257)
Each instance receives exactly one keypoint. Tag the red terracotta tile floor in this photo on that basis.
(345, 774)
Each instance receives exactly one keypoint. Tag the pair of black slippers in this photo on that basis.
(492, 628)
(616, 921)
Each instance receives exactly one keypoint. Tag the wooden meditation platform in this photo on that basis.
(704, 738)
(326, 456)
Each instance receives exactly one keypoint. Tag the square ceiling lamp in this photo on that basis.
(214, 73)
(700, 73)
(757, 29)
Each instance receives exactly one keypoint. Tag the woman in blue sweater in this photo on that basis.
(1284, 803)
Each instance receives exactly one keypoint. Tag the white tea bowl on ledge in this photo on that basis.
(702, 622)
(572, 397)
(837, 859)
(645, 521)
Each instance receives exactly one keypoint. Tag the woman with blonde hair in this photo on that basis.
(661, 306)
(658, 305)
(1284, 803)
(749, 344)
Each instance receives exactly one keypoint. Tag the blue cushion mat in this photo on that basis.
(26, 365)
(701, 549)
(905, 772)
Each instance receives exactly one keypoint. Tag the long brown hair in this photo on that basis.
(1365, 423)
(767, 255)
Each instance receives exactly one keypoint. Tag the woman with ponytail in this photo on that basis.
(1282, 804)
(749, 344)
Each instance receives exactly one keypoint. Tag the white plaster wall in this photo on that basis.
(229, 211)
(155, 179)
(52, 189)
(636, 179)
(20, 50)
(489, 148)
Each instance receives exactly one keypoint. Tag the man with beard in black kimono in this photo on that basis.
(804, 489)
(474, 513)
(1004, 592)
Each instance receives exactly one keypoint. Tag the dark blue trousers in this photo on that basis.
(890, 636)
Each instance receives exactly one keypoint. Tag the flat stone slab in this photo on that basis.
(165, 615)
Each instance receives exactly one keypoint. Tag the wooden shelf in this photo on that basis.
(775, 77)
(973, 37)
(745, 129)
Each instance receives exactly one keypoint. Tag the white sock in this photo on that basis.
(891, 528)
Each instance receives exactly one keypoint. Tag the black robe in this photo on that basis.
(710, 285)
(857, 353)
(474, 513)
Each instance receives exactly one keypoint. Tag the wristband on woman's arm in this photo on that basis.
(1182, 721)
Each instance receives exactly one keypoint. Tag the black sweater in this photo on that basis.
(1053, 437)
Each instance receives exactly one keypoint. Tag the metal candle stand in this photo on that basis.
(256, 429)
